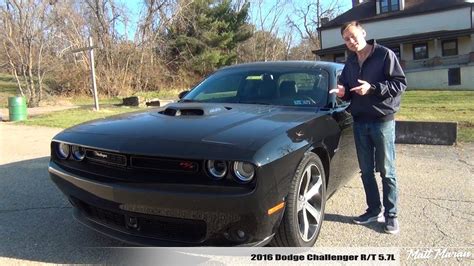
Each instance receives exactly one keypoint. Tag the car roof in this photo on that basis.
(281, 65)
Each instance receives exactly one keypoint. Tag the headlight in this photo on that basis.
(63, 150)
(217, 169)
(78, 153)
(244, 171)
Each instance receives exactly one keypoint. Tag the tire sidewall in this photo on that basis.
(291, 211)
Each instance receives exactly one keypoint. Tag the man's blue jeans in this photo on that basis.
(375, 144)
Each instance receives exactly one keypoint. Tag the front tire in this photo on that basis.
(304, 212)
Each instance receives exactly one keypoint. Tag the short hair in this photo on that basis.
(350, 23)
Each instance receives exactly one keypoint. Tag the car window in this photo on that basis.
(259, 88)
(304, 87)
(288, 88)
(221, 88)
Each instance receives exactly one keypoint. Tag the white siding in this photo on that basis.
(448, 20)
(438, 79)
(464, 45)
(407, 53)
(408, 50)
(331, 38)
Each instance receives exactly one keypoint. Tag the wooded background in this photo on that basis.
(175, 44)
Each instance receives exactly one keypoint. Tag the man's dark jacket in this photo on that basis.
(385, 75)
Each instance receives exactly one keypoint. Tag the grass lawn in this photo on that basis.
(8, 87)
(70, 117)
(441, 106)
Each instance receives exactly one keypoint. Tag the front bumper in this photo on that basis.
(172, 214)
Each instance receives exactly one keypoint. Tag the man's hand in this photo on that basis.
(340, 91)
(363, 88)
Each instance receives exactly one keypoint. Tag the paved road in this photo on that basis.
(436, 203)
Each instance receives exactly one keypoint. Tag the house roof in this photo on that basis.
(413, 38)
(366, 11)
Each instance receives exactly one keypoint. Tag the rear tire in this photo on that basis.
(304, 212)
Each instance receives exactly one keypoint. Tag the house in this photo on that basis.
(433, 39)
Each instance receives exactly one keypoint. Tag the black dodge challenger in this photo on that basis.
(247, 157)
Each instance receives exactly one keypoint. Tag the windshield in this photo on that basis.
(291, 88)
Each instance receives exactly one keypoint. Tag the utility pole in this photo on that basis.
(94, 84)
(91, 57)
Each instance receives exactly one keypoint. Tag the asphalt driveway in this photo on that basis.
(436, 206)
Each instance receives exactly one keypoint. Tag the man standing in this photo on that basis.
(374, 81)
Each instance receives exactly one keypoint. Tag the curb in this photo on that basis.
(422, 132)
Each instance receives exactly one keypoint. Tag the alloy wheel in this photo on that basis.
(309, 202)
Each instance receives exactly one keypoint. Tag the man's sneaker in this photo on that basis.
(367, 218)
(391, 225)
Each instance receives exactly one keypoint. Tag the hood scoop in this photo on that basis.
(193, 109)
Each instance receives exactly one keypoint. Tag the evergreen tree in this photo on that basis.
(206, 35)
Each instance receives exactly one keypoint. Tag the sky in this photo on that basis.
(134, 7)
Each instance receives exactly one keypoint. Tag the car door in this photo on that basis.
(344, 164)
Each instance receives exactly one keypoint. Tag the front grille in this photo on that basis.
(108, 166)
(106, 157)
(159, 227)
(167, 165)
(103, 216)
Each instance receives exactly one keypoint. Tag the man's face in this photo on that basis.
(354, 38)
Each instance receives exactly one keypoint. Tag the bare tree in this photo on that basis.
(306, 19)
(154, 19)
(266, 43)
(26, 29)
(38, 36)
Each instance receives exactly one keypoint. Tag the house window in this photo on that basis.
(396, 50)
(420, 51)
(340, 58)
(454, 76)
(389, 5)
(450, 47)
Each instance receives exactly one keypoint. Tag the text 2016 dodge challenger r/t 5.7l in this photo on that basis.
(247, 157)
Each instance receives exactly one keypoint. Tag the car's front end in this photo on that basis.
(161, 192)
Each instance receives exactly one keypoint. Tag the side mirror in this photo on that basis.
(332, 100)
(182, 94)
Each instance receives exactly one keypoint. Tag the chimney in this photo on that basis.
(324, 20)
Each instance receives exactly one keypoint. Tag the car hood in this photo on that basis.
(190, 128)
